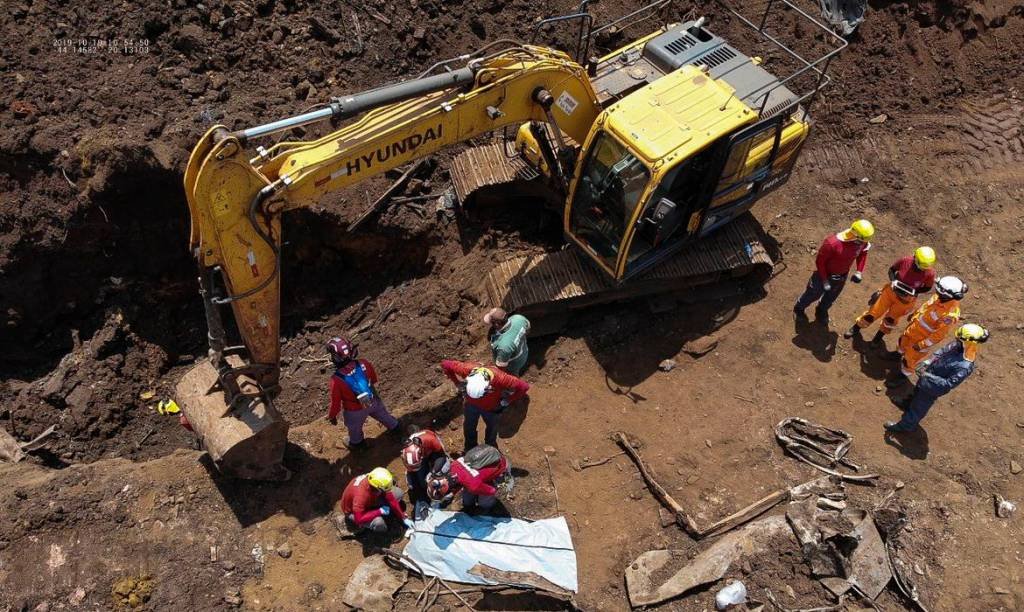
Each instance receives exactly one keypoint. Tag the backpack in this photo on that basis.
(482, 456)
(359, 383)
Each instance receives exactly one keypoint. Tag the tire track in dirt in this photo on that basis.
(992, 136)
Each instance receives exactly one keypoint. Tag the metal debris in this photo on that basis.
(821, 447)
(706, 567)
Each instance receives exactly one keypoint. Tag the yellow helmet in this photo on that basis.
(862, 229)
(168, 406)
(972, 332)
(380, 478)
(924, 257)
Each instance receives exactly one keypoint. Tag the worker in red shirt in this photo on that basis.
(488, 391)
(477, 475)
(909, 277)
(370, 498)
(420, 452)
(353, 393)
(836, 256)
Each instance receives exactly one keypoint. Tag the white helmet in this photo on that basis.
(951, 288)
(477, 382)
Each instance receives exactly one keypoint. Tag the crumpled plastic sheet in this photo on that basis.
(449, 544)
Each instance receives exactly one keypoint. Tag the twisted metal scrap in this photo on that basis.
(818, 446)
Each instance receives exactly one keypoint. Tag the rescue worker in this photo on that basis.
(508, 340)
(420, 452)
(477, 475)
(370, 498)
(836, 256)
(909, 277)
(353, 393)
(488, 392)
(929, 325)
(940, 374)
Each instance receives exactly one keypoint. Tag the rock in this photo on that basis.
(665, 517)
(76, 597)
(809, 404)
(276, 37)
(667, 365)
(1015, 468)
(284, 550)
(302, 90)
(549, 450)
(692, 479)
(700, 346)
(878, 119)
(227, 565)
(419, 33)
(42, 607)
(707, 443)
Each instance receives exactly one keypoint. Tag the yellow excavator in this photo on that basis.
(653, 154)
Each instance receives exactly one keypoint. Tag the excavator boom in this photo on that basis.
(236, 201)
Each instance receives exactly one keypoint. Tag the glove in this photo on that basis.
(332, 420)
(856, 277)
(385, 510)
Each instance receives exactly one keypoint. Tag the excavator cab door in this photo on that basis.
(746, 173)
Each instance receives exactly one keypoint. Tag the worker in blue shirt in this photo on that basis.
(949, 367)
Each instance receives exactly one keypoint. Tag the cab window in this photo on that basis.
(610, 187)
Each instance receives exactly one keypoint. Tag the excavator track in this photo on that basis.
(485, 166)
(555, 283)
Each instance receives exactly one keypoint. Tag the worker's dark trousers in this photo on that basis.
(920, 404)
(418, 490)
(471, 418)
(816, 290)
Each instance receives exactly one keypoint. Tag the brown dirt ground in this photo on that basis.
(99, 310)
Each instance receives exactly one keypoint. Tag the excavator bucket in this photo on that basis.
(244, 440)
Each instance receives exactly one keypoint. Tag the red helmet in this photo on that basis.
(412, 454)
(341, 350)
(438, 485)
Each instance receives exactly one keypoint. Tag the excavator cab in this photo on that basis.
(642, 193)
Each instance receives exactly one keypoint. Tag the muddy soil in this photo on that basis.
(923, 131)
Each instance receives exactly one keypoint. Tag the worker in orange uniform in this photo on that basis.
(909, 277)
(929, 325)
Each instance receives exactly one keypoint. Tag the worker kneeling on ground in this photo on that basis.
(929, 325)
(353, 393)
(508, 340)
(420, 452)
(836, 256)
(477, 474)
(909, 277)
(943, 372)
(488, 392)
(369, 499)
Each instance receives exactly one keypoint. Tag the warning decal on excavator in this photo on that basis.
(567, 103)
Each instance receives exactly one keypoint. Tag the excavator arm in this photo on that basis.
(236, 197)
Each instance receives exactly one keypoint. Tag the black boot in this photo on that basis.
(853, 331)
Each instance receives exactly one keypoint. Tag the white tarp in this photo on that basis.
(449, 544)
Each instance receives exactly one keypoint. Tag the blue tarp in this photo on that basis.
(449, 544)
